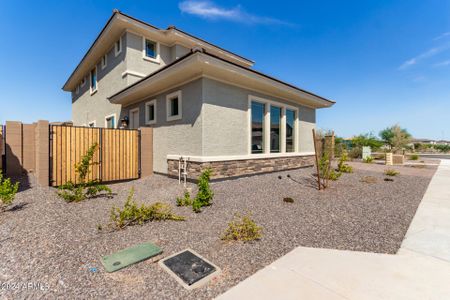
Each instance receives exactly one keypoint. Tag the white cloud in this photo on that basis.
(209, 10)
(443, 63)
(431, 52)
(445, 34)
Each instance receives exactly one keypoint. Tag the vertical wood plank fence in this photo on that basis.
(117, 156)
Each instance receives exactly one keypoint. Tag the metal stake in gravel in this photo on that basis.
(189, 268)
(129, 256)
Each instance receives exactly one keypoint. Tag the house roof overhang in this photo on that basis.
(119, 22)
(198, 64)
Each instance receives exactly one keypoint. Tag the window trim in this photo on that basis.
(147, 112)
(83, 81)
(96, 81)
(266, 130)
(92, 122)
(180, 106)
(115, 120)
(117, 52)
(144, 53)
(77, 89)
(104, 61)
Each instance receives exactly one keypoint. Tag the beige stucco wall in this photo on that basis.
(87, 108)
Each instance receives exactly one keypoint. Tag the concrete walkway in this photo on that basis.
(420, 269)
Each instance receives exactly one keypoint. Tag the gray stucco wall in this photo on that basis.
(87, 107)
(175, 137)
(135, 60)
(214, 122)
(225, 120)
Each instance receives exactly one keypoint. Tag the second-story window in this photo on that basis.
(104, 61)
(118, 46)
(151, 50)
(93, 80)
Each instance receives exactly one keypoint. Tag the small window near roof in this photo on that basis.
(77, 90)
(104, 61)
(83, 81)
(174, 106)
(150, 49)
(118, 46)
(150, 112)
(93, 80)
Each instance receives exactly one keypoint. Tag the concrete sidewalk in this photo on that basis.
(420, 269)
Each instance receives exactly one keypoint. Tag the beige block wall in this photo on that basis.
(28, 147)
(14, 148)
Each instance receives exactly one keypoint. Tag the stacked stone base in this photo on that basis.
(236, 168)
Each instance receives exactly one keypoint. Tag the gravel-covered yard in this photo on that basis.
(49, 241)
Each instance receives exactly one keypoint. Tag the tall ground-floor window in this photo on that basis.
(290, 130)
(258, 110)
(275, 129)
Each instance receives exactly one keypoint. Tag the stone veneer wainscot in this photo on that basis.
(241, 167)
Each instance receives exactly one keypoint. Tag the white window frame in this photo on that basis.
(266, 130)
(92, 122)
(109, 116)
(129, 117)
(147, 112)
(96, 81)
(104, 61)
(144, 54)
(180, 106)
(83, 81)
(118, 42)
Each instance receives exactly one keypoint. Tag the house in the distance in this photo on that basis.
(205, 103)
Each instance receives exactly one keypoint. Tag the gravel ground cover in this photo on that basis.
(57, 244)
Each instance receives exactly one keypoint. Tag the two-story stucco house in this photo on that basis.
(204, 103)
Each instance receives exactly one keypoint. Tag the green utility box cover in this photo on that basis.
(129, 256)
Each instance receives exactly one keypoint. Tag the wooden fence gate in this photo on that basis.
(117, 156)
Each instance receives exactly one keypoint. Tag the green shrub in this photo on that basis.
(132, 214)
(414, 157)
(204, 194)
(391, 172)
(185, 201)
(72, 192)
(242, 229)
(368, 159)
(333, 175)
(7, 191)
(342, 166)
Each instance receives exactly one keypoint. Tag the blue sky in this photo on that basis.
(384, 62)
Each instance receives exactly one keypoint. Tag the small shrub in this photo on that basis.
(242, 229)
(368, 160)
(388, 179)
(99, 227)
(333, 175)
(355, 152)
(342, 166)
(72, 192)
(204, 194)
(7, 191)
(391, 172)
(368, 179)
(414, 157)
(185, 201)
(288, 200)
(132, 214)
